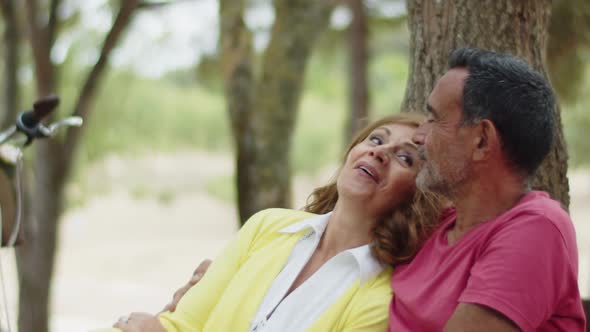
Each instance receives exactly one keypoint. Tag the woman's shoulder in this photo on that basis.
(379, 284)
(376, 290)
(369, 307)
(275, 219)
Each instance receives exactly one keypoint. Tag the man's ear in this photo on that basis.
(486, 140)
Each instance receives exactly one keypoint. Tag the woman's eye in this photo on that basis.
(407, 159)
(376, 139)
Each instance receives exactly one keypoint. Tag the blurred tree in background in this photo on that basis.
(54, 158)
(358, 85)
(11, 62)
(262, 103)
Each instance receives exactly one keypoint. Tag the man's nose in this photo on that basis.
(419, 136)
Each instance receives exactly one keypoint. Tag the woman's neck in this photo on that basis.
(348, 228)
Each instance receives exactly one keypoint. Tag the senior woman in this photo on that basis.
(327, 268)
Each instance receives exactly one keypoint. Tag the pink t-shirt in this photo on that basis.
(523, 263)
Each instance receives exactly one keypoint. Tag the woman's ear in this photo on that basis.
(486, 140)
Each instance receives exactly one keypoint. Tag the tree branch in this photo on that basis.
(93, 79)
(41, 47)
(52, 24)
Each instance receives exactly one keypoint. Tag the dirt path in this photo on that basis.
(130, 247)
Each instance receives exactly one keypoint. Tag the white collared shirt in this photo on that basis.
(306, 303)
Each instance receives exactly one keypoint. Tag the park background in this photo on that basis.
(150, 189)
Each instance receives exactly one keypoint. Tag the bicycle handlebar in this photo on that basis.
(41, 108)
(29, 122)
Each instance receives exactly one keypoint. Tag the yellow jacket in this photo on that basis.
(228, 296)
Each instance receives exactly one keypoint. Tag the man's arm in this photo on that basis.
(524, 274)
(474, 317)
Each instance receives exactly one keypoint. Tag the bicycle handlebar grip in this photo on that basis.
(41, 108)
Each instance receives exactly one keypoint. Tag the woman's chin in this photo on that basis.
(357, 193)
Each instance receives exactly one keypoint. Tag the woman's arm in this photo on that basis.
(194, 308)
(196, 277)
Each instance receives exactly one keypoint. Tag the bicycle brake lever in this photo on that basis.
(72, 121)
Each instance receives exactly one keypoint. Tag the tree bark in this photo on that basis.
(238, 77)
(11, 62)
(358, 86)
(516, 27)
(263, 114)
(53, 161)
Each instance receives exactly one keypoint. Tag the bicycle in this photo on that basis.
(27, 128)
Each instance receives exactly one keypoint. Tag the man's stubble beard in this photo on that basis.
(430, 178)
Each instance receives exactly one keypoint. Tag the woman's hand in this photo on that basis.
(139, 322)
(197, 275)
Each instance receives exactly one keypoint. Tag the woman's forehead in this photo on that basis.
(397, 129)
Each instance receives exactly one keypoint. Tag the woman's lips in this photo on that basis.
(369, 170)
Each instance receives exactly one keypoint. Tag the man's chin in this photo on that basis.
(423, 180)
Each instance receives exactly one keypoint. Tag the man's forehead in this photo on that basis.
(449, 88)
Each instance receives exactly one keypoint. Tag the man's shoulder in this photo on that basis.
(537, 215)
(538, 207)
(540, 203)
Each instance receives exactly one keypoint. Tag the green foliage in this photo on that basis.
(140, 115)
(569, 43)
(576, 123)
(389, 73)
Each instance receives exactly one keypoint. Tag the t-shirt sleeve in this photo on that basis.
(194, 308)
(521, 272)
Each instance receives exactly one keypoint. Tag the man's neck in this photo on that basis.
(483, 200)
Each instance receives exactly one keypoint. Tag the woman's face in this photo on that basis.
(380, 171)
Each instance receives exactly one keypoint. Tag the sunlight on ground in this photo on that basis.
(131, 246)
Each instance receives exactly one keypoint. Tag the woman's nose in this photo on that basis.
(379, 153)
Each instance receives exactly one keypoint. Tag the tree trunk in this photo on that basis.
(11, 63)
(264, 113)
(53, 162)
(238, 77)
(36, 256)
(358, 91)
(516, 27)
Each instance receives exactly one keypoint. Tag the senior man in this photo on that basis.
(505, 257)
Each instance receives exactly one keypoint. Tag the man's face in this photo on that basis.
(442, 139)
